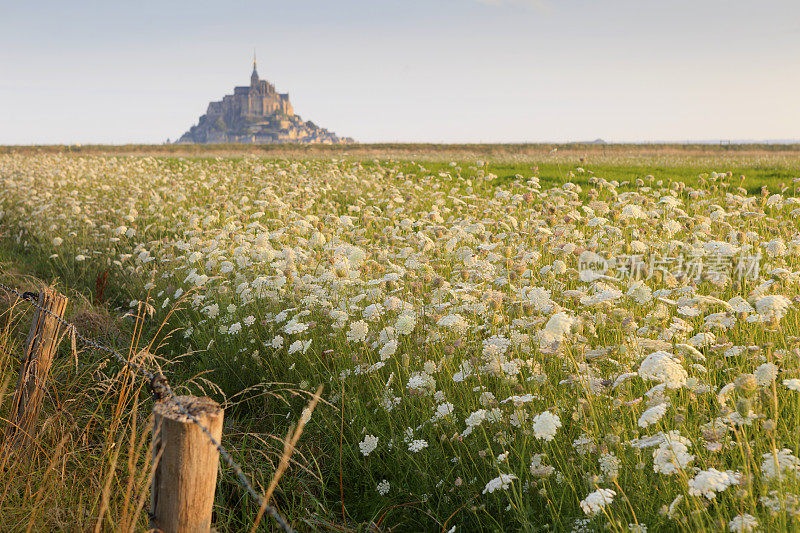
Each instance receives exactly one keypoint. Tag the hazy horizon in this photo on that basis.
(453, 71)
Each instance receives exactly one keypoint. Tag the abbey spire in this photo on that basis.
(254, 75)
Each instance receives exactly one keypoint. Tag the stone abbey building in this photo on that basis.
(256, 113)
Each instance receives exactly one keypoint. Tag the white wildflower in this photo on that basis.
(661, 366)
(416, 446)
(545, 425)
(672, 455)
(368, 445)
(743, 523)
(709, 482)
(405, 324)
(383, 488)
(766, 374)
(653, 415)
(501, 482)
(597, 501)
(777, 463)
(792, 384)
(358, 331)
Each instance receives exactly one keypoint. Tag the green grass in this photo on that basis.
(323, 469)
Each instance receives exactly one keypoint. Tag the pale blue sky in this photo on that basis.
(407, 70)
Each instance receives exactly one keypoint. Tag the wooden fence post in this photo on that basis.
(185, 463)
(40, 348)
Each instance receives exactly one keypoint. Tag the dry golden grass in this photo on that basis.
(89, 466)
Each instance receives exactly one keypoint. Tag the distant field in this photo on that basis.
(761, 164)
(423, 151)
(509, 337)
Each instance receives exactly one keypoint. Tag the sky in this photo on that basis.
(407, 70)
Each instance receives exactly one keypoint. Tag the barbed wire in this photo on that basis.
(161, 390)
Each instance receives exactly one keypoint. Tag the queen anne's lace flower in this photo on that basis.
(766, 374)
(368, 445)
(773, 305)
(545, 425)
(556, 328)
(388, 350)
(357, 332)
(538, 468)
(416, 446)
(778, 463)
(709, 482)
(597, 501)
(539, 298)
(456, 323)
(792, 384)
(405, 324)
(743, 523)
(383, 488)
(640, 292)
(652, 415)
(500, 482)
(672, 455)
(609, 465)
(661, 366)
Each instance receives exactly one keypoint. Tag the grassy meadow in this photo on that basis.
(537, 338)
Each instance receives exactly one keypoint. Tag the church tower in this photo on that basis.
(255, 100)
(254, 75)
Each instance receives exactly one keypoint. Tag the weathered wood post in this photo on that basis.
(40, 348)
(185, 477)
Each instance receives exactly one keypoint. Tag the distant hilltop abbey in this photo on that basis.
(256, 114)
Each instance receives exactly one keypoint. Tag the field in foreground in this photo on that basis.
(559, 342)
